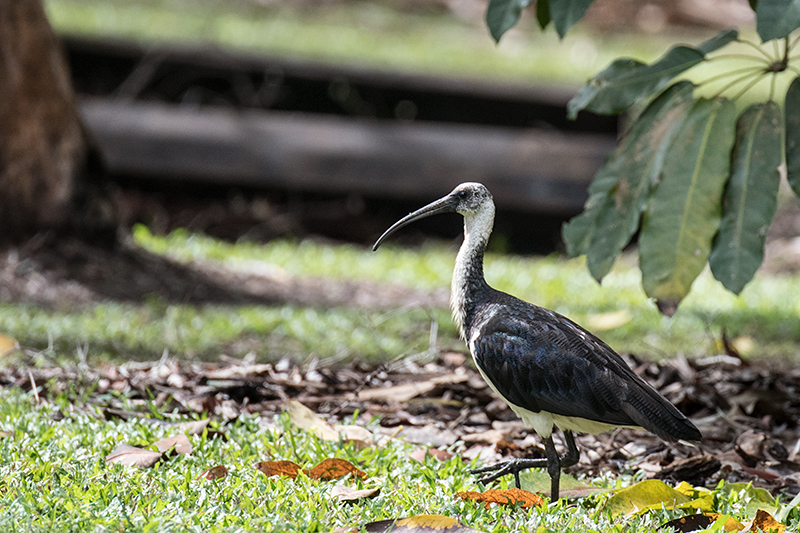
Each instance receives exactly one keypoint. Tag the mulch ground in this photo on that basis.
(748, 413)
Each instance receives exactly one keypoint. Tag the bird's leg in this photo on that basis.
(553, 467)
(514, 466)
(553, 462)
(573, 455)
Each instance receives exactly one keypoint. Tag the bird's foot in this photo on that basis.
(513, 466)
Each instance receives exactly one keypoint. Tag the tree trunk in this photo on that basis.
(43, 148)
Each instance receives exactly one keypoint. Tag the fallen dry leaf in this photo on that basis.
(333, 469)
(422, 453)
(180, 443)
(347, 495)
(538, 481)
(406, 391)
(279, 468)
(360, 436)
(307, 419)
(128, 455)
(214, 473)
(643, 495)
(766, 522)
(195, 427)
(7, 344)
(503, 497)
(327, 469)
(425, 523)
(700, 521)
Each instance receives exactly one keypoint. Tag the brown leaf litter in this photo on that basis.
(749, 414)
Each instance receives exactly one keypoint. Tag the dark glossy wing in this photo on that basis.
(542, 361)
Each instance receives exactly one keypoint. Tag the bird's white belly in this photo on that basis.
(543, 422)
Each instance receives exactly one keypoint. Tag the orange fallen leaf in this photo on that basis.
(128, 455)
(333, 469)
(180, 443)
(767, 523)
(503, 497)
(7, 344)
(425, 523)
(422, 453)
(347, 495)
(214, 473)
(279, 468)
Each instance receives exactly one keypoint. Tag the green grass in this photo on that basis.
(765, 319)
(359, 33)
(767, 312)
(53, 477)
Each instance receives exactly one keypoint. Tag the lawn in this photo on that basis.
(54, 477)
(53, 471)
(763, 321)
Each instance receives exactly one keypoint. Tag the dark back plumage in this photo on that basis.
(542, 361)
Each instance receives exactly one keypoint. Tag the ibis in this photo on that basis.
(549, 370)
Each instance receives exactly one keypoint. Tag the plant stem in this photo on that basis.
(724, 75)
(772, 86)
(797, 40)
(736, 82)
(747, 88)
(761, 50)
(738, 56)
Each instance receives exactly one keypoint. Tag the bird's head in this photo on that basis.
(468, 199)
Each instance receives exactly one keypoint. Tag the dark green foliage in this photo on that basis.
(626, 80)
(565, 13)
(502, 15)
(792, 119)
(543, 13)
(706, 184)
(776, 19)
(619, 193)
(684, 211)
(750, 197)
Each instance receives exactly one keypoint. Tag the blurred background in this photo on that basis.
(260, 118)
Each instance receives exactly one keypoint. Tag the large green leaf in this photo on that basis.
(626, 80)
(618, 193)
(776, 19)
(565, 13)
(502, 15)
(543, 13)
(750, 196)
(683, 214)
(637, 163)
(792, 120)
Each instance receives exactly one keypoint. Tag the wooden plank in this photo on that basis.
(529, 169)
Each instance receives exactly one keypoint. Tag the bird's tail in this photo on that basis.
(656, 414)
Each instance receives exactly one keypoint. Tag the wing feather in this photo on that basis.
(542, 361)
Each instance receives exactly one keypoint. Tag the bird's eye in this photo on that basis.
(462, 195)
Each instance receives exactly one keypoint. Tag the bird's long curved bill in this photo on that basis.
(442, 205)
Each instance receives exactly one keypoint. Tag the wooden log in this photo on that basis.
(529, 169)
